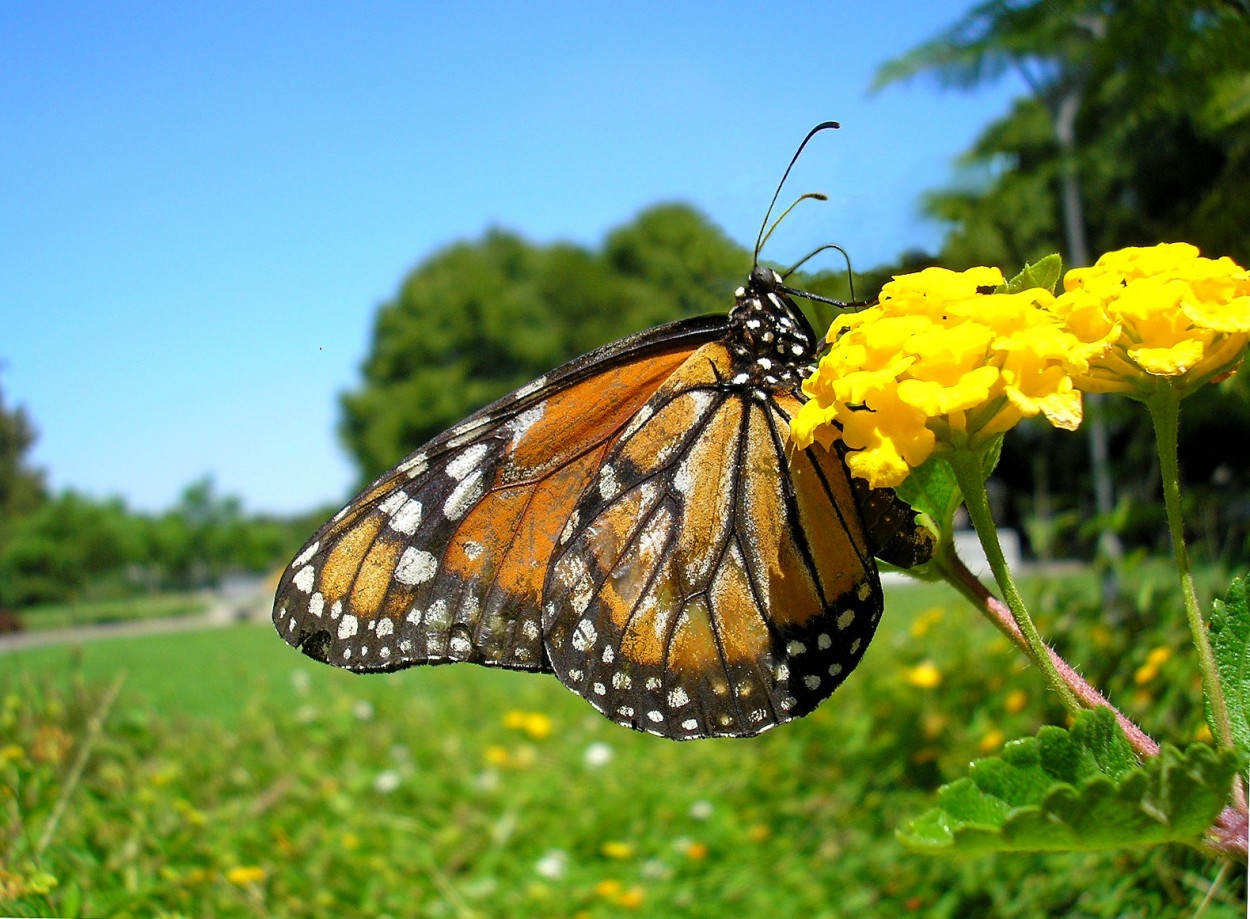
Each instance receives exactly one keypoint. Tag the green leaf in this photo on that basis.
(1044, 273)
(931, 487)
(1077, 790)
(1230, 640)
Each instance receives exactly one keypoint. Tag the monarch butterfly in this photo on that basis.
(634, 522)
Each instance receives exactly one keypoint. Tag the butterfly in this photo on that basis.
(635, 522)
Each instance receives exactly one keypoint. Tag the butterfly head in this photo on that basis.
(772, 342)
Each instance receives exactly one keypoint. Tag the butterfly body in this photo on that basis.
(635, 522)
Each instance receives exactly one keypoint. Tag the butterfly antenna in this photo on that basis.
(759, 240)
(814, 195)
(850, 275)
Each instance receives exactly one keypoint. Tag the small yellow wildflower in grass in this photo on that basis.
(615, 849)
(245, 875)
(11, 753)
(924, 676)
(1148, 671)
(991, 741)
(921, 625)
(758, 833)
(535, 724)
(632, 898)
(608, 888)
(940, 363)
(496, 755)
(696, 851)
(1165, 314)
(1016, 700)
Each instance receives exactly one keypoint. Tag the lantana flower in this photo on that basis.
(942, 362)
(1169, 316)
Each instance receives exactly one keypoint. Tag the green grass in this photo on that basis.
(103, 612)
(233, 776)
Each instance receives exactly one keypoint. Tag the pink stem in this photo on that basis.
(1000, 615)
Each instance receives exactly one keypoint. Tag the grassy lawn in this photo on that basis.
(235, 777)
(104, 612)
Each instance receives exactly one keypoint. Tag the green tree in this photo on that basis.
(1136, 130)
(479, 319)
(1137, 127)
(206, 535)
(70, 548)
(21, 486)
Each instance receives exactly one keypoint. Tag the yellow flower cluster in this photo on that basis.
(1163, 312)
(942, 361)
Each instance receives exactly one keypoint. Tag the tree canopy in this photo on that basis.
(479, 319)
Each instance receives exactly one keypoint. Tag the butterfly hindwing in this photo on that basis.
(699, 590)
(443, 558)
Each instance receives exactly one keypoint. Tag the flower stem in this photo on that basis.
(1164, 406)
(958, 576)
(967, 468)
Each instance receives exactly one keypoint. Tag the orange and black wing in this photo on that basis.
(711, 581)
(443, 558)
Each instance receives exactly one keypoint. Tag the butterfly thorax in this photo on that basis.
(772, 343)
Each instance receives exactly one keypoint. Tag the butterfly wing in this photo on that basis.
(443, 558)
(710, 581)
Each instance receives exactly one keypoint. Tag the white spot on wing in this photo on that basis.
(306, 554)
(530, 388)
(464, 496)
(846, 618)
(416, 566)
(348, 626)
(385, 627)
(585, 635)
(406, 519)
(608, 485)
(304, 578)
(524, 421)
(415, 465)
(467, 461)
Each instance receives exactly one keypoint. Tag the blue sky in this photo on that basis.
(202, 205)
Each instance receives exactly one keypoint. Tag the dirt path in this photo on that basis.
(221, 612)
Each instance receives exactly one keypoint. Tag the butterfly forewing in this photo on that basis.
(443, 558)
